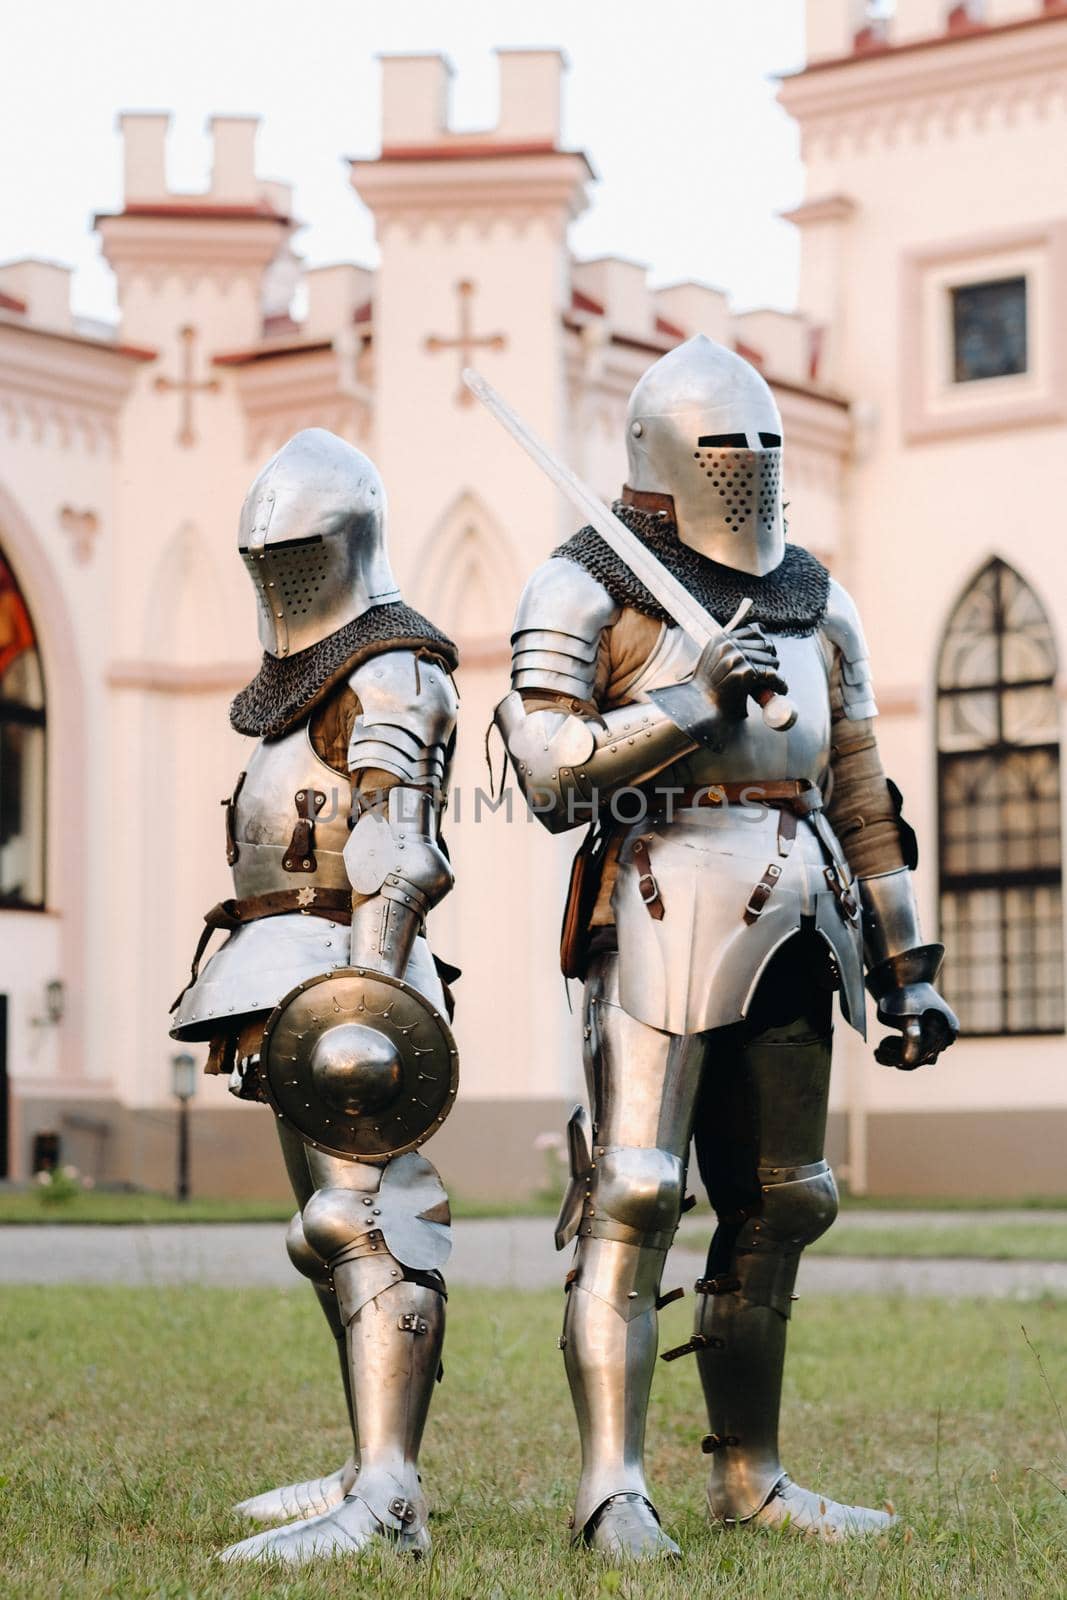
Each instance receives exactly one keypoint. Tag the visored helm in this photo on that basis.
(312, 534)
(702, 426)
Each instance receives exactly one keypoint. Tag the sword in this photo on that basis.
(778, 713)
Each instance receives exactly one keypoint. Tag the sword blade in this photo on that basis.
(662, 585)
(673, 596)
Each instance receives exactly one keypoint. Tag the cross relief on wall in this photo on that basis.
(187, 386)
(465, 340)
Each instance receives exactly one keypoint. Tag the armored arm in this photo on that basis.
(568, 755)
(865, 811)
(398, 756)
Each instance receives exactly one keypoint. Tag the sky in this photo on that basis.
(673, 100)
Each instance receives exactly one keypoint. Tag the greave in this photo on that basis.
(394, 1341)
(741, 1354)
(328, 1301)
(610, 1335)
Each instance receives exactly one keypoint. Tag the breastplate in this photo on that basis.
(289, 819)
(754, 751)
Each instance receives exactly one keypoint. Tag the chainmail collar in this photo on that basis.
(791, 600)
(285, 689)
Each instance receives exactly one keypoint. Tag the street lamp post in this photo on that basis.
(183, 1087)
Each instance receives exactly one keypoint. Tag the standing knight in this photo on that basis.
(324, 1000)
(733, 877)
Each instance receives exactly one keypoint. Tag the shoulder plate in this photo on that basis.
(561, 615)
(406, 719)
(842, 626)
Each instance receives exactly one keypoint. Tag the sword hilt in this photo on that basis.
(778, 713)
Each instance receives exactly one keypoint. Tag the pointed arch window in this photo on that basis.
(22, 751)
(999, 792)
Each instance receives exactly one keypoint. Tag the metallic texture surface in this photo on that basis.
(643, 1087)
(698, 967)
(407, 712)
(743, 1312)
(890, 915)
(359, 1063)
(561, 615)
(312, 535)
(296, 1501)
(261, 962)
(562, 762)
(398, 871)
(842, 626)
(406, 1215)
(394, 1351)
(702, 426)
(265, 812)
(255, 968)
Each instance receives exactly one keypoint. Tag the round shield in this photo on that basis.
(359, 1063)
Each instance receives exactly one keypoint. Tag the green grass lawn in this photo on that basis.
(991, 1241)
(134, 1418)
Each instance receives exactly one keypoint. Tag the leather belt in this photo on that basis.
(229, 914)
(788, 794)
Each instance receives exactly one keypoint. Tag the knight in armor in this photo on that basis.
(734, 876)
(324, 1001)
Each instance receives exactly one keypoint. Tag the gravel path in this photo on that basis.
(513, 1252)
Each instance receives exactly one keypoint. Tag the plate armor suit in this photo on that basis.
(733, 877)
(324, 999)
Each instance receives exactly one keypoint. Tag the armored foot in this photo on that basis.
(626, 1528)
(803, 1511)
(347, 1530)
(298, 1500)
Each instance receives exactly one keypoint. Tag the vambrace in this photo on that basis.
(902, 973)
(565, 763)
(395, 863)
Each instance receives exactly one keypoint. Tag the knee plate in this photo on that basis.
(799, 1204)
(406, 1216)
(635, 1196)
(303, 1257)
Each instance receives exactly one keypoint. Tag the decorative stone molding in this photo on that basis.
(221, 245)
(82, 527)
(168, 677)
(914, 92)
(63, 386)
(319, 383)
(547, 186)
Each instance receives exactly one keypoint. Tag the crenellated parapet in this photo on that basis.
(879, 74)
(429, 173)
(228, 237)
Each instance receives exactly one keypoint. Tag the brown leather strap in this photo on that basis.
(762, 892)
(845, 899)
(229, 914)
(647, 886)
(300, 856)
(794, 794)
(232, 851)
(648, 500)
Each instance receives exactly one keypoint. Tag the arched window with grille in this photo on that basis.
(999, 792)
(22, 751)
